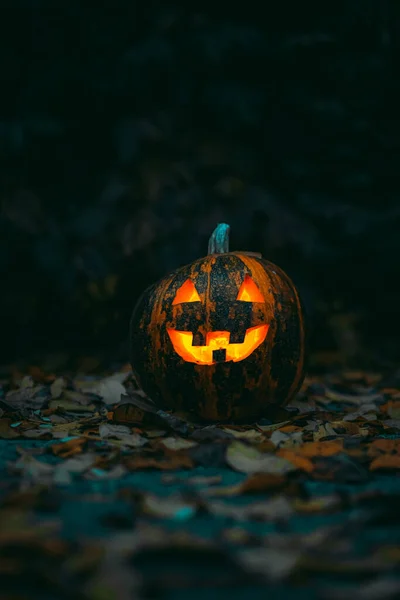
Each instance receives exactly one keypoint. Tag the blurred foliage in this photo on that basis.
(128, 130)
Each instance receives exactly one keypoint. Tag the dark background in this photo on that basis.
(128, 130)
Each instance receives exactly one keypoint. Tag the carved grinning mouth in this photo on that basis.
(217, 347)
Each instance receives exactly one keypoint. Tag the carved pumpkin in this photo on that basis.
(222, 337)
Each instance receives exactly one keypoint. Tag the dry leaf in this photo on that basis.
(326, 448)
(277, 508)
(123, 433)
(177, 443)
(175, 461)
(257, 483)
(246, 459)
(172, 507)
(251, 435)
(273, 564)
(385, 461)
(69, 447)
(298, 460)
(57, 387)
(110, 389)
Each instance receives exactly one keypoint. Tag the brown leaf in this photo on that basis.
(69, 448)
(300, 462)
(382, 446)
(257, 483)
(128, 413)
(385, 461)
(266, 446)
(267, 428)
(327, 448)
(175, 461)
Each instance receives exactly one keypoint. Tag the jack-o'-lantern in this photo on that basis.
(222, 338)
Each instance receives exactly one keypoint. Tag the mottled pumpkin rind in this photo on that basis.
(247, 389)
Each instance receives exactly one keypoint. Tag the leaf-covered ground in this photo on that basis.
(102, 496)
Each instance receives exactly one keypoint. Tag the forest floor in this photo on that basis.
(104, 497)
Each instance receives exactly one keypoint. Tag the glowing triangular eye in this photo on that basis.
(187, 293)
(249, 291)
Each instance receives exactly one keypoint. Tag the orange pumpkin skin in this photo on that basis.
(200, 302)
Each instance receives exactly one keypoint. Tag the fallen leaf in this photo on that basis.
(57, 387)
(128, 413)
(319, 504)
(324, 448)
(110, 389)
(323, 430)
(251, 435)
(78, 397)
(385, 461)
(116, 472)
(298, 460)
(176, 461)
(384, 446)
(28, 396)
(71, 406)
(272, 427)
(277, 508)
(282, 439)
(246, 459)
(68, 448)
(123, 433)
(172, 507)
(177, 443)
(257, 483)
(270, 563)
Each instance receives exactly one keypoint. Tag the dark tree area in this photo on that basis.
(128, 130)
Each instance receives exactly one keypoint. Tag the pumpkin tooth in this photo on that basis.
(198, 339)
(219, 355)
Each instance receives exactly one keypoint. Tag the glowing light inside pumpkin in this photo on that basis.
(249, 291)
(217, 340)
(186, 293)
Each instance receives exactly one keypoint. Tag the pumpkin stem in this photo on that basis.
(219, 240)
